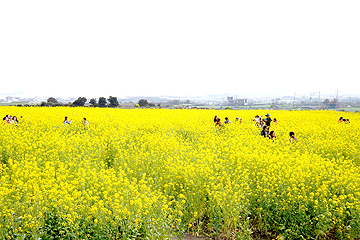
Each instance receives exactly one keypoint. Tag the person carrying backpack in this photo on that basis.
(267, 120)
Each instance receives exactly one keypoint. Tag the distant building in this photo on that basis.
(332, 105)
(9, 99)
(230, 101)
(12, 99)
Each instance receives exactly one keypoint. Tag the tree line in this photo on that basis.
(102, 102)
(80, 102)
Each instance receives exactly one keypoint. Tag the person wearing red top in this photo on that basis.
(218, 122)
(7, 119)
(272, 135)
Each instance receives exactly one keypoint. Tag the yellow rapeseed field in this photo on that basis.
(154, 173)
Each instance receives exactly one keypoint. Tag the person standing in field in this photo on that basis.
(66, 121)
(267, 120)
(341, 119)
(272, 135)
(14, 120)
(85, 122)
(4, 120)
(292, 137)
(262, 123)
(7, 119)
(257, 120)
(237, 120)
(265, 131)
(215, 119)
(227, 121)
(218, 122)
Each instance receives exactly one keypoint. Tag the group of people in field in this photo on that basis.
(67, 122)
(264, 124)
(343, 120)
(8, 119)
(218, 123)
(259, 121)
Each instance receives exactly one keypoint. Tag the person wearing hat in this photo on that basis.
(267, 120)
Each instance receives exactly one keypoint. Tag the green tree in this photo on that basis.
(143, 103)
(326, 102)
(44, 104)
(52, 100)
(93, 102)
(113, 101)
(102, 102)
(80, 101)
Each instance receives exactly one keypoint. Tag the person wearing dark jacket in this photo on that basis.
(265, 131)
(267, 120)
(215, 119)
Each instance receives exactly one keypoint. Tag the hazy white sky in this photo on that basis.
(127, 48)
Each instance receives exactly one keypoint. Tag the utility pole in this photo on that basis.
(311, 96)
(337, 97)
(294, 101)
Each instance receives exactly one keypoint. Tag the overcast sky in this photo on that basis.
(151, 48)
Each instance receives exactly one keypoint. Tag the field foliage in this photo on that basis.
(154, 173)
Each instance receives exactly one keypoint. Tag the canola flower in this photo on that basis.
(151, 173)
